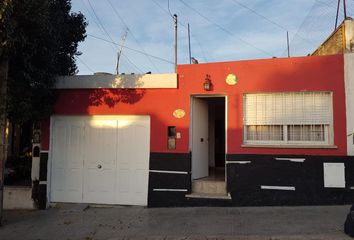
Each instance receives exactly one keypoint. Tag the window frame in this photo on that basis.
(328, 128)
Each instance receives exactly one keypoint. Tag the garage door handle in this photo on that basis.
(99, 166)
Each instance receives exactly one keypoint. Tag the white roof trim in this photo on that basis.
(167, 80)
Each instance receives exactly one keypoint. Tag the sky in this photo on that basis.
(221, 30)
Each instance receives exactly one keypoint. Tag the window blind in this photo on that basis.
(288, 108)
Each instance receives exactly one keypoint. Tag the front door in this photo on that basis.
(200, 155)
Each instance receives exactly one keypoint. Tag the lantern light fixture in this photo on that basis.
(207, 83)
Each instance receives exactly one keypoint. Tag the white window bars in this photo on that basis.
(296, 118)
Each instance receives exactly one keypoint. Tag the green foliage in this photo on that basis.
(45, 41)
(6, 29)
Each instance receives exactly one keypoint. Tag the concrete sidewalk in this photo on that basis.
(66, 222)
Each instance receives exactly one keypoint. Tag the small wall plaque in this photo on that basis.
(231, 79)
(179, 113)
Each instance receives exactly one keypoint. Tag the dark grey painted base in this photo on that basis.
(42, 190)
(245, 180)
(179, 162)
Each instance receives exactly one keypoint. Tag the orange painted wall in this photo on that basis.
(325, 73)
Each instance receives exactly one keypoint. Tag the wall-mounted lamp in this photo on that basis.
(207, 83)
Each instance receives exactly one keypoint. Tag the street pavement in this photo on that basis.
(78, 221)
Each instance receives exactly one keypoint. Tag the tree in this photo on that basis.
(46, 42)
(38, 42)
(6, 33)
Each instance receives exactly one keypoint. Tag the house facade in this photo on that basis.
(257, 132)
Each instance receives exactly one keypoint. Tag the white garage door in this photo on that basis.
(100, 159)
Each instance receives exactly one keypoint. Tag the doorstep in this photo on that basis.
(208, 196)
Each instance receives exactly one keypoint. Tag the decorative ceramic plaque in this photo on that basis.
(179, 113)
(231, 79)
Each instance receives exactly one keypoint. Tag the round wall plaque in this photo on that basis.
(179, 113)
(231, 79)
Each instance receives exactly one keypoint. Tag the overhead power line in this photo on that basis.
(260, 15)
(185, 26)
(157, 4)
(83, 63)
(104, 33)
(109, 36)
(128, 60)
(168, 7)
(132, 49)
(136, 40)
(334, 7)
(225, 30)
(99, 21)
(95, 21)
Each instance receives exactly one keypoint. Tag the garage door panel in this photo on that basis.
(130, 160)
(109, 145)
(100, 166)
(71, 180)
(59, 145)
(124, 181)
(58, 175)
(92, 145)
(140, 178)
(75, 146)
(67, 161)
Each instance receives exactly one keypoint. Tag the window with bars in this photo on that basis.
(302, 118)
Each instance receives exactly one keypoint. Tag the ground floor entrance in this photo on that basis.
(208, 144)
(99, 159)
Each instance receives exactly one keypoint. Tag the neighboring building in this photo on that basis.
(340, 41)
(258, 132)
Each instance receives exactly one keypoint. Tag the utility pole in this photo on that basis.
(119, 54)
(287, 40)
(175, 20)
(189, 45)
(344, 12)
(338, 4)
(345, 9)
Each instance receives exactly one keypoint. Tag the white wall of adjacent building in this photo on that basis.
(349, 100)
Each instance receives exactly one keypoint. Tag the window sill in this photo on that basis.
(287, 146)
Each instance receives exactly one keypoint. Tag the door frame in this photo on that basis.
(192, 96)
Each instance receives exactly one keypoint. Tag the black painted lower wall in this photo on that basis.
(170, 181)
(40, 191)
(165, 187)
(244, 181)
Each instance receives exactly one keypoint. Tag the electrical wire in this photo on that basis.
(168, 7)
(225, 30)
(331, 6)
(316, 27)
(97, 24)
(136, 40)
(184, 25)
(99, 21)
(109, 36)
(260, 15)
(136, 67)
(157, 4)
(83, 63)
(132, 49)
